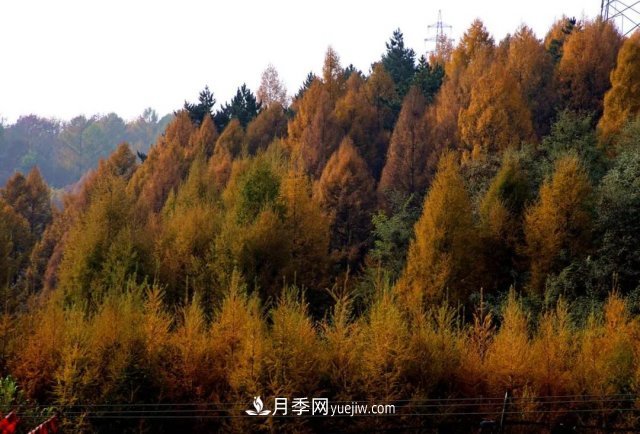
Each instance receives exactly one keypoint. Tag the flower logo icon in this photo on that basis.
(258, 405)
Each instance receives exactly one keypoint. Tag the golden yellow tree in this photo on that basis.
(166, 165)
(42, 334)
(122, 163)
(509, 355)
(500, 213)
(220, 165)
(307, 231)
(47, 253)
(343, 348)
(270, 124)
(314, 132)
(406, 167)
(553, 352)
(468, 61)
(605, 359)
(589, 56)
(558, 225)
(475, 40)
(188, 224)
(29, 197)
(497, 117)
(292, 357)
(622, 101)
(205, 136)
(332, 74)
(232, 138)
(191, 367)
(346, 192)
(238, 340)
(557, 34)
(386, 337)
(116, 324)
(362, 117)
(475, 348)
(15, 245)
(105, 247)
(435, 351)
(380, 91)
(155, 328)
(532, 67)
(440, 256)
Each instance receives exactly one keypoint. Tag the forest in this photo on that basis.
(65, 151)
(436, 233)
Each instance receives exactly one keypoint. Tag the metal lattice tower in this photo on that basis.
(440, 38)
(625, 13)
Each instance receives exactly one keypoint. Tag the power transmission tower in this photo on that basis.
(440, 38)
(626, 13)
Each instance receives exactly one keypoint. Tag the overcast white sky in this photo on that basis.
(61, 58)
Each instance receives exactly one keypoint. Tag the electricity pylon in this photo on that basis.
(626, 13)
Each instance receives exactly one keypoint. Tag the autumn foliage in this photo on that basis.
(431, 229)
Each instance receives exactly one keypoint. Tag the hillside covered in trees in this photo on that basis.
(64, 151)
(432, 233)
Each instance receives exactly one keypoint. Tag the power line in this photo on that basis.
(459, 409)
(117, 415)
(426, 402)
